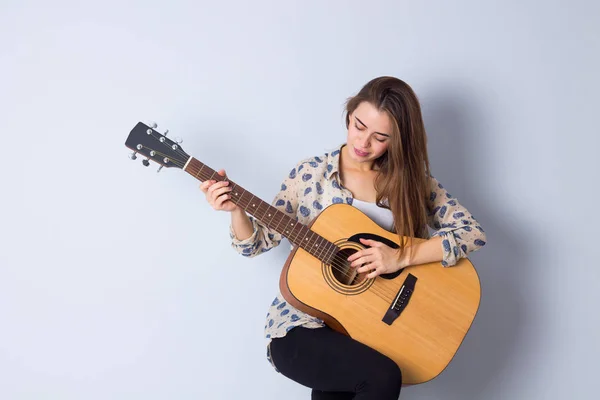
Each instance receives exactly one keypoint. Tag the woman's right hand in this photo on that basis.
(218, 194)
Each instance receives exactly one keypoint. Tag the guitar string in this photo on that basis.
(339, 264)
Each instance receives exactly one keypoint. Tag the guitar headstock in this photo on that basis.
(147, 141)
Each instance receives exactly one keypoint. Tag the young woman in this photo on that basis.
(382, 169)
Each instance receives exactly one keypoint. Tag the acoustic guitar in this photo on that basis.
(417, 316)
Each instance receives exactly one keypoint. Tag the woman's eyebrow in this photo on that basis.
(363, 124)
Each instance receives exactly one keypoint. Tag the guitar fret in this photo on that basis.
(211, 175)
(288, 223)
(333, 249)
(311, 245)
(279, 216)
(268, 215)
(296, 235)
(250, 201)
(242, 200)
(301, 235)
(306, 236)
(316, 246)
(259, 213)
(233, 191)
(327, 247)
(200, 170)
(261, 210)
(291, 224)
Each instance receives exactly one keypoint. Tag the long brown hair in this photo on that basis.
(403, 170)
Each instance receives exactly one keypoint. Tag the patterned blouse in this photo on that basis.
(313, 185)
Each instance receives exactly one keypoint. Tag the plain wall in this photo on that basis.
(118, 283)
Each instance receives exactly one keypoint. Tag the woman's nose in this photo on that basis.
(363, 140)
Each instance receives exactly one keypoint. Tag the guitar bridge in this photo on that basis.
(401, 300)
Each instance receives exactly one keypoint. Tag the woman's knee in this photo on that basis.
(383, 380)
(388, 379)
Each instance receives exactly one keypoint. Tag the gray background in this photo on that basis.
(118, 283)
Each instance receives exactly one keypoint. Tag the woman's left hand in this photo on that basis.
(379, 258)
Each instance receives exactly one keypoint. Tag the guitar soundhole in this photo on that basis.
(343, 272)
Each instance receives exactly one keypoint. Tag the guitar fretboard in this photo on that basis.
(296, 232)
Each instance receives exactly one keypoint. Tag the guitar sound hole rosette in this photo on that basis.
(340, 276)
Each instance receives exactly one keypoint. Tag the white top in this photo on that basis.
(381, 216)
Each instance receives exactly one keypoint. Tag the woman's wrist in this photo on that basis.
(241, 224)
(403, 261)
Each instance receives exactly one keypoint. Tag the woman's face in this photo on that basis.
(369, 133)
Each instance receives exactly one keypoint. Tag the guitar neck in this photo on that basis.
(296, 232)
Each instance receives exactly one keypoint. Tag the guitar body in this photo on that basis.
(424, 337)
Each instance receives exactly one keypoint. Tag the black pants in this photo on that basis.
(335, 366)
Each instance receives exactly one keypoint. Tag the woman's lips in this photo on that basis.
(360, 153)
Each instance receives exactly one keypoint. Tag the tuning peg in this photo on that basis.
(178, 140)
(132, 155)
(159, 168)
(166, 132)
(152, 124)
(146, 162)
